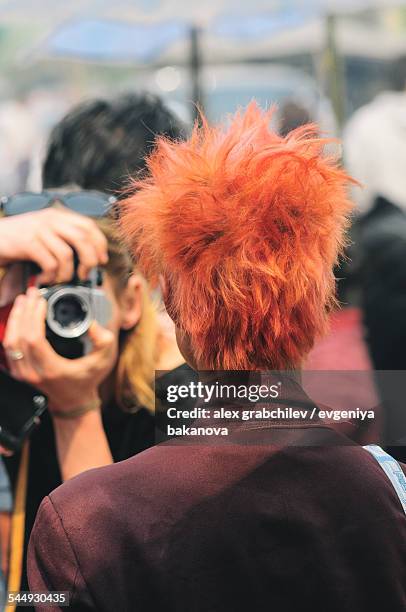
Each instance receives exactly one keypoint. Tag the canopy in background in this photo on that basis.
(227, 38)
(161, 32)
(53, 12)
(114, 41)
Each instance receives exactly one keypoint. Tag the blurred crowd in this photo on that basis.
(61, 170)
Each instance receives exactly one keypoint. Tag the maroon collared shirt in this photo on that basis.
(249, 527)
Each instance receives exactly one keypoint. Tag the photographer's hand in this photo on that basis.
(69, 384)
(48, 238)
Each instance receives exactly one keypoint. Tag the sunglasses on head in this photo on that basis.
(89, 203)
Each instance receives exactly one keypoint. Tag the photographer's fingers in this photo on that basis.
(60, 251)
(87, 259)
(103, 347)
(30, 356)
(14, 342)
(95, 236)
(42, 256)
(87, 240)
(85, 249)
(35, 345)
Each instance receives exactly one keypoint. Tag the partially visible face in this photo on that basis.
(114, 324)
(126, 303)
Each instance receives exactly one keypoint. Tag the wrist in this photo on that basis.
(74, 410)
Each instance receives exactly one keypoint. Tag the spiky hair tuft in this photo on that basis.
(246, 226)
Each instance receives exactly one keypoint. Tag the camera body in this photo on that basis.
(72, 307)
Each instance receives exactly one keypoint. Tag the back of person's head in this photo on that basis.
(100, 143)
(291, 116)
(246, 227)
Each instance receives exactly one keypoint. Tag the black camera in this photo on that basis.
(72, 307)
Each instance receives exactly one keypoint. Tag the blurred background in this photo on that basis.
(319, 59)
(340, 63)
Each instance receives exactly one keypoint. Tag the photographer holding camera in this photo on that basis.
(71, 385)
(101, 401)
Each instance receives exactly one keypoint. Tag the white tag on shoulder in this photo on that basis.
(392, 469)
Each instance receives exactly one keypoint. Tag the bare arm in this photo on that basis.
(81, 444)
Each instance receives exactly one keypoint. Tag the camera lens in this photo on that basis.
(69, 312)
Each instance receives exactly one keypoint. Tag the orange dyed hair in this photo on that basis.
(246, 226)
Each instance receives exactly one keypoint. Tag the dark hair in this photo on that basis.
(101, 143)
(292, 116)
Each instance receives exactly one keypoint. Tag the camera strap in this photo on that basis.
(18, 526)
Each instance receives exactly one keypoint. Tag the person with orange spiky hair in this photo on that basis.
(242, 228)
(246, 227)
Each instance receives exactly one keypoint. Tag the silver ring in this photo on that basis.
(15, 355)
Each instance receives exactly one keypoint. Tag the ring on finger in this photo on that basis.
(15, 355)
